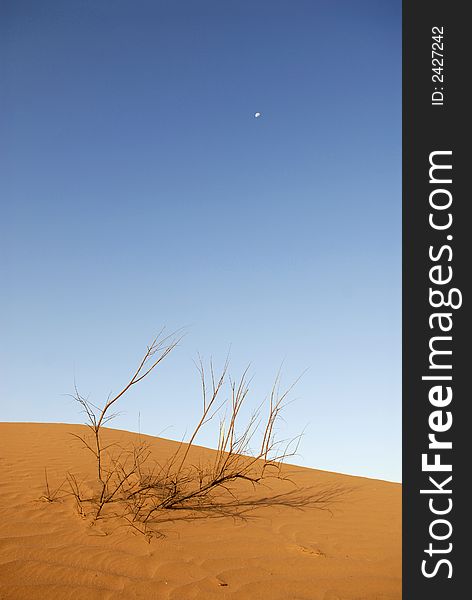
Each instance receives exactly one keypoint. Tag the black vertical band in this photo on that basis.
(437, 266)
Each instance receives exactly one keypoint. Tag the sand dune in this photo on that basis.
(47, 550)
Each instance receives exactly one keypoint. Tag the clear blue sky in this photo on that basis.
(138, 190)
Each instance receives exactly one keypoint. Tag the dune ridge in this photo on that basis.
(47, 550)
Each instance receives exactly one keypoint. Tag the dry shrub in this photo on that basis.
(134, 486)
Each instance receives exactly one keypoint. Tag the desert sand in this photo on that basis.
(48, 551)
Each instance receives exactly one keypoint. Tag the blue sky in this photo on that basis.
(139, 191)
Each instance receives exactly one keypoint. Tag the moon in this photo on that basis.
(257, 115)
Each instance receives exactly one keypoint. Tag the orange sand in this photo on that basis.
(47, 551)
